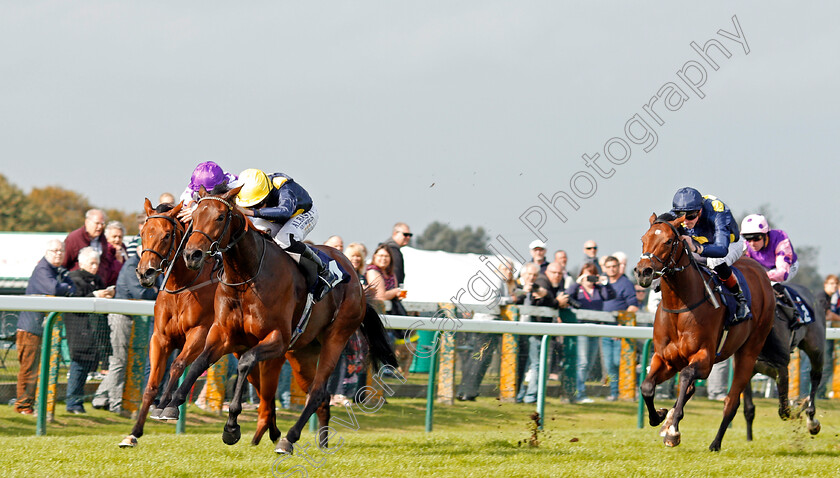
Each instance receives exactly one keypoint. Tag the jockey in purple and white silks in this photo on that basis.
(773, 250)
(713, 237)
(770, 247)
(209, 175)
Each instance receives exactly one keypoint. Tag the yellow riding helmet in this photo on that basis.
(255, 187)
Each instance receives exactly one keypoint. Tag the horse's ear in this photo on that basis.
(147, 206)
(232, 193)
(678, 221)
(202, 192)
(652, 218)
(175, 210)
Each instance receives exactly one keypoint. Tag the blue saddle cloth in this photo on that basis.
(345, 277)
(806, 315)
(729, 299)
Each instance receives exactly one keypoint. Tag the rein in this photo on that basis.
(168, 264)
(215, 244)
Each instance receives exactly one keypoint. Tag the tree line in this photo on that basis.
(51, 209)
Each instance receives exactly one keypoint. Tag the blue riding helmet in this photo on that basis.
(688, 199)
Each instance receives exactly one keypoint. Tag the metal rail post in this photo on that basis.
(642, 375)
(46, 345)
(430, 388)
(543, 372)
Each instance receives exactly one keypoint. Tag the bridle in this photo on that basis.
(167, 263)
(215, 244)
(669, 265)
(670, 268)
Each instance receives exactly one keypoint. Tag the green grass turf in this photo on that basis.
(483, 438)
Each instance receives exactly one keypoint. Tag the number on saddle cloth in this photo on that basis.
(806, 315)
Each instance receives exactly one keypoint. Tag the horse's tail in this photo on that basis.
(380, 348)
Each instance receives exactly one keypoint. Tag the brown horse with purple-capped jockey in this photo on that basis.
(689, 333)
(183, 316)
(264, 309)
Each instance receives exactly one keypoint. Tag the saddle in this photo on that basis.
(728, 298)
(792, 306)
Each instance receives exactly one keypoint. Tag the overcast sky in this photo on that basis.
(462, 112)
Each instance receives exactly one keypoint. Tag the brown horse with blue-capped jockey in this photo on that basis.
(264, 308)
(693, 328)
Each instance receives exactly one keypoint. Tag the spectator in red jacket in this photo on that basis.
(90, 235)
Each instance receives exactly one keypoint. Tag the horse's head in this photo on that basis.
(212, 230)
(660, 245)
(160, 237)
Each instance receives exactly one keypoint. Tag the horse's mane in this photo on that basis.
(668, 216)
(165, 207)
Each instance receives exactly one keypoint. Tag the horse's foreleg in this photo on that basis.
(659, 372)
(159, 349)
(782, 386)
(214, 349)
(193, 345)
(269, 374)
(699, 367)
(270, 347)
(815, 354)
(749, 410)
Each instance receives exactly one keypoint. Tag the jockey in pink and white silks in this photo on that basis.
(770, 247)
(773, 250)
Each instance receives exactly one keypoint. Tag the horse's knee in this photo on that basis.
(648, 388)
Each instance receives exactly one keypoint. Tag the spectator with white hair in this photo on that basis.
(48, 278)
(83, 338)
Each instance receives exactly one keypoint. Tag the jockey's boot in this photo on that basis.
(742, 310)
(788, 307)
(328, 274)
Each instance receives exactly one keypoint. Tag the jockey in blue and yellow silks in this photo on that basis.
(713, 237)
(282, 207)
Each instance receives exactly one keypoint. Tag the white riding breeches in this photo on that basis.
(736, 250)
(298, 227)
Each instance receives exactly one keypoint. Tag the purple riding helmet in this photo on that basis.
(209, 175)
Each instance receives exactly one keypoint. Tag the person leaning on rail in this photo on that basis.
(48, 278)
(83, 330)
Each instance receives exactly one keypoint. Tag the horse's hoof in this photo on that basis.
(669, 420)
(814, 427)
(231, 435)
(784, 414)
(714, 447)
(154, 413)
(128, 442)
(661, 414)
(284, 447)
(672, 439)
(170, 413)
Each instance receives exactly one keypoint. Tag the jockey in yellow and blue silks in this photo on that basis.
(713, 237)
(279, 205)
